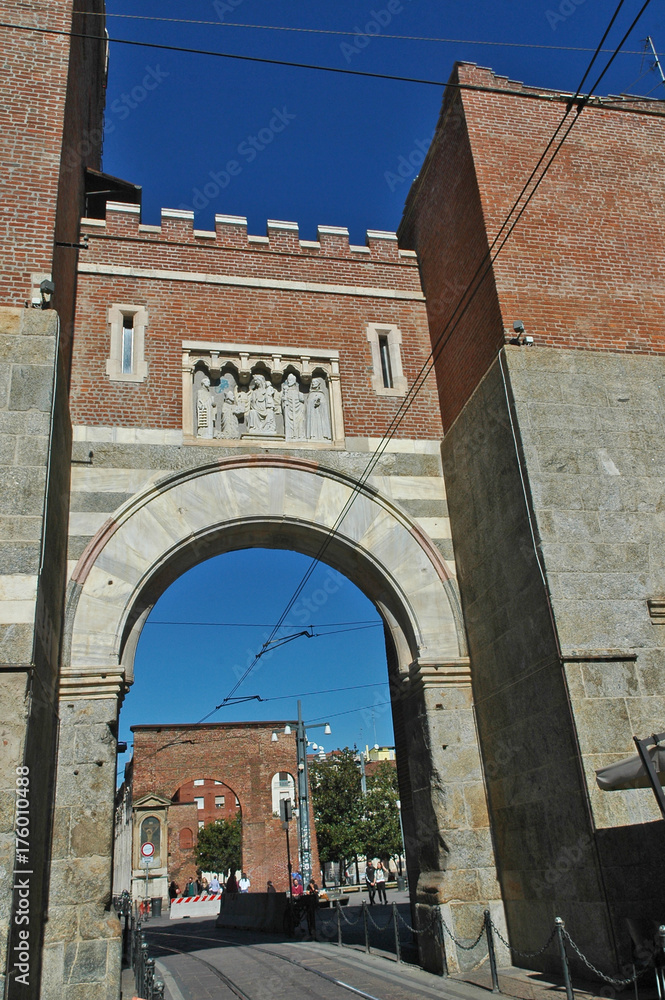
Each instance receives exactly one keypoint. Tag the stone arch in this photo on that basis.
(245, 502)
(276, 502)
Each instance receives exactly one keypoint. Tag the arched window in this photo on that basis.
(186, 839)
(283, 787)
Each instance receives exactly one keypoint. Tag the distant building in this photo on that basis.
(181, 779)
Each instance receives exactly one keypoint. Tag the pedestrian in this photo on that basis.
(174, 891)
(231, 883)
(270, 887)
(204, 884)
(214, 886)
(190, 888)
(370, 881)
(297, 884)
(380, 880)
(244, 883)
(311, 906)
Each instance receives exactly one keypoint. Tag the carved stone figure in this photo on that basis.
(230, 428)
(293, 409)
(262, 405)
(205, 410)
(318, 412)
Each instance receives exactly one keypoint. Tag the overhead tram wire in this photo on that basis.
(349, 34)
(479, 88)
(446, 333)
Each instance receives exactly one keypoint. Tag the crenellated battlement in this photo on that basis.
(177, 226)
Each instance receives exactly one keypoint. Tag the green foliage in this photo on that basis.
(338, 806)
(381, 832)
(219, 845)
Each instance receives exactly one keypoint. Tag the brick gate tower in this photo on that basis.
(50, 132)
(553, 459)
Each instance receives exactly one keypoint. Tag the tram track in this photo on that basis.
(235, 989)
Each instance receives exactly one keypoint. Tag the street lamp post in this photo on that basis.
(304, 828)
(401, 830)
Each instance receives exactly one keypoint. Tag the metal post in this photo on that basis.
(659, 968)
(303, 802)
(649, 766)
(401, 830)
(442, 942)
(491, 953)
(339, 923)
(366, 925)
(564, 958)
(398, 950)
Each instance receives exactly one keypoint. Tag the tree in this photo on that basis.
(219, 846)
(338, 806)
(381, 832)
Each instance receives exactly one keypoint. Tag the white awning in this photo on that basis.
(631, 772)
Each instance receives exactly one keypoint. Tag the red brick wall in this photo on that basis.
(583, 269)
(244, 757)
(38, 115)
(185, 310)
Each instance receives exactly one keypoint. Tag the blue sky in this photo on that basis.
(315, 148)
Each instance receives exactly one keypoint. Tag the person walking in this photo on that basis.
(311, 906)
(214, 886)
(231, 883)
(380, 880)
(244, 883)
(370, 881)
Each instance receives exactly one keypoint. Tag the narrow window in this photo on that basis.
(199, 802)
(201, 824)
(386, 370)
(198, 781)
(219, 801)
(127, 345)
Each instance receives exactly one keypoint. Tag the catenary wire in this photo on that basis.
(278, 62)
(445, 334)
(352, 34)
(265, 624)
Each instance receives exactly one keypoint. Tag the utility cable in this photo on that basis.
(352, 34)
(446, 333)
(278, 62)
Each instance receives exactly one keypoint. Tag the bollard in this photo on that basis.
(398, 950)
(564, 958)
(491, 954)
(158, 990)
(366, 925)
(339, 923)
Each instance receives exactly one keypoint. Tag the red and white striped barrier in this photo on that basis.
(205, 905)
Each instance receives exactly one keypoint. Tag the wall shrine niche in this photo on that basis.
(237, 395)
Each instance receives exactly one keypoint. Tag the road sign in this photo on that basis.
(147, 849)
(148, 863)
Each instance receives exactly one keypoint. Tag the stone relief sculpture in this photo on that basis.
(205, 410)
(231, 409)
(232, 398)
(260, 416)
(293, 409)
(318, 412)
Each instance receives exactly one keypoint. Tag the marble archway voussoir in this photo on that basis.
(195, 508)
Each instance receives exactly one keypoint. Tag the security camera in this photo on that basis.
(518, 326)
(46, 290)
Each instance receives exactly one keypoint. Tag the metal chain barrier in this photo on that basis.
(144, 967)
(346, 919)
(413, 930)
(374, 923)
(464, 947)
(601, 975)
(516, 951)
